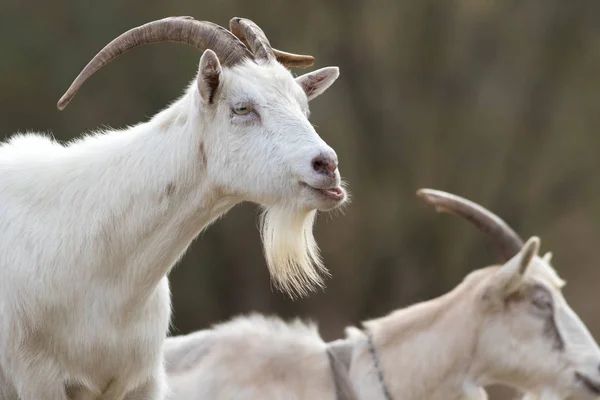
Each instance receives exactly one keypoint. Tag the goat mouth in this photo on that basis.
(335, 193)
(593, 387)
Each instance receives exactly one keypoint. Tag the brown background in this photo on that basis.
(495, 100)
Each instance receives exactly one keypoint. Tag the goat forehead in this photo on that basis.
(271, 82)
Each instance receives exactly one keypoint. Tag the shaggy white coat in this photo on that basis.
(90, 230)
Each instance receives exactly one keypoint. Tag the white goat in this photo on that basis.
(505, 324)
(89, 231)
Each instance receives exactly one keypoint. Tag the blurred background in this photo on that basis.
(497, 101)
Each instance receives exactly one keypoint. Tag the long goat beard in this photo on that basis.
(291, 251)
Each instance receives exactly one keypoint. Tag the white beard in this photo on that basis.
(290, 250)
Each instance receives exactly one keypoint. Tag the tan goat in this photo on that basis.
(505, 324)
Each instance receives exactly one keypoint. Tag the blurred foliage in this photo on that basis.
(497, 101)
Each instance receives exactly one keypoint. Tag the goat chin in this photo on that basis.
(291, 251)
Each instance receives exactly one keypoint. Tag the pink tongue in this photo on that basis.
(335, 190)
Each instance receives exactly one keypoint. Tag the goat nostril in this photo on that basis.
(318, 165)
(324, 165)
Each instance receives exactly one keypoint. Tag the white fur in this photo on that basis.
(252, 357)
(486, 331)
(295, 264)
(90, 230)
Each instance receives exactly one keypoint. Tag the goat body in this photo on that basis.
(253, 357)
(90, 230)
(263, 357)
(493, 328)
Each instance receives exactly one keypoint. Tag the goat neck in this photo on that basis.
(427, 351)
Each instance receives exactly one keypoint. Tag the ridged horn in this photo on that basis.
(200, 34)
(245, 29)
(504, 237)
(253, 37)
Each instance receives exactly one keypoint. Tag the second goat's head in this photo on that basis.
(256, 142)
(528, 335)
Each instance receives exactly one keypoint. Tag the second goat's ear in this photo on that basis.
(511, 274)
(509, 277)
(316, 82)
(209, 76)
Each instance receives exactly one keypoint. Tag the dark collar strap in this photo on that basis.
(376, 364)
(341, 377)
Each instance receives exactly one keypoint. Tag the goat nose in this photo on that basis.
(325, 164)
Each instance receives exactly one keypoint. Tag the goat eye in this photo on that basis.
(542, 301)
(242, 110)
(542, 304)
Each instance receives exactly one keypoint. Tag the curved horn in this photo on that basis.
(507, 240)
(200, 34)
(289, 60)
(253, 37)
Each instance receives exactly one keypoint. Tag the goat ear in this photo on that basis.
(209, 76)
(529, 251)
(316, 82)
(509, 277)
